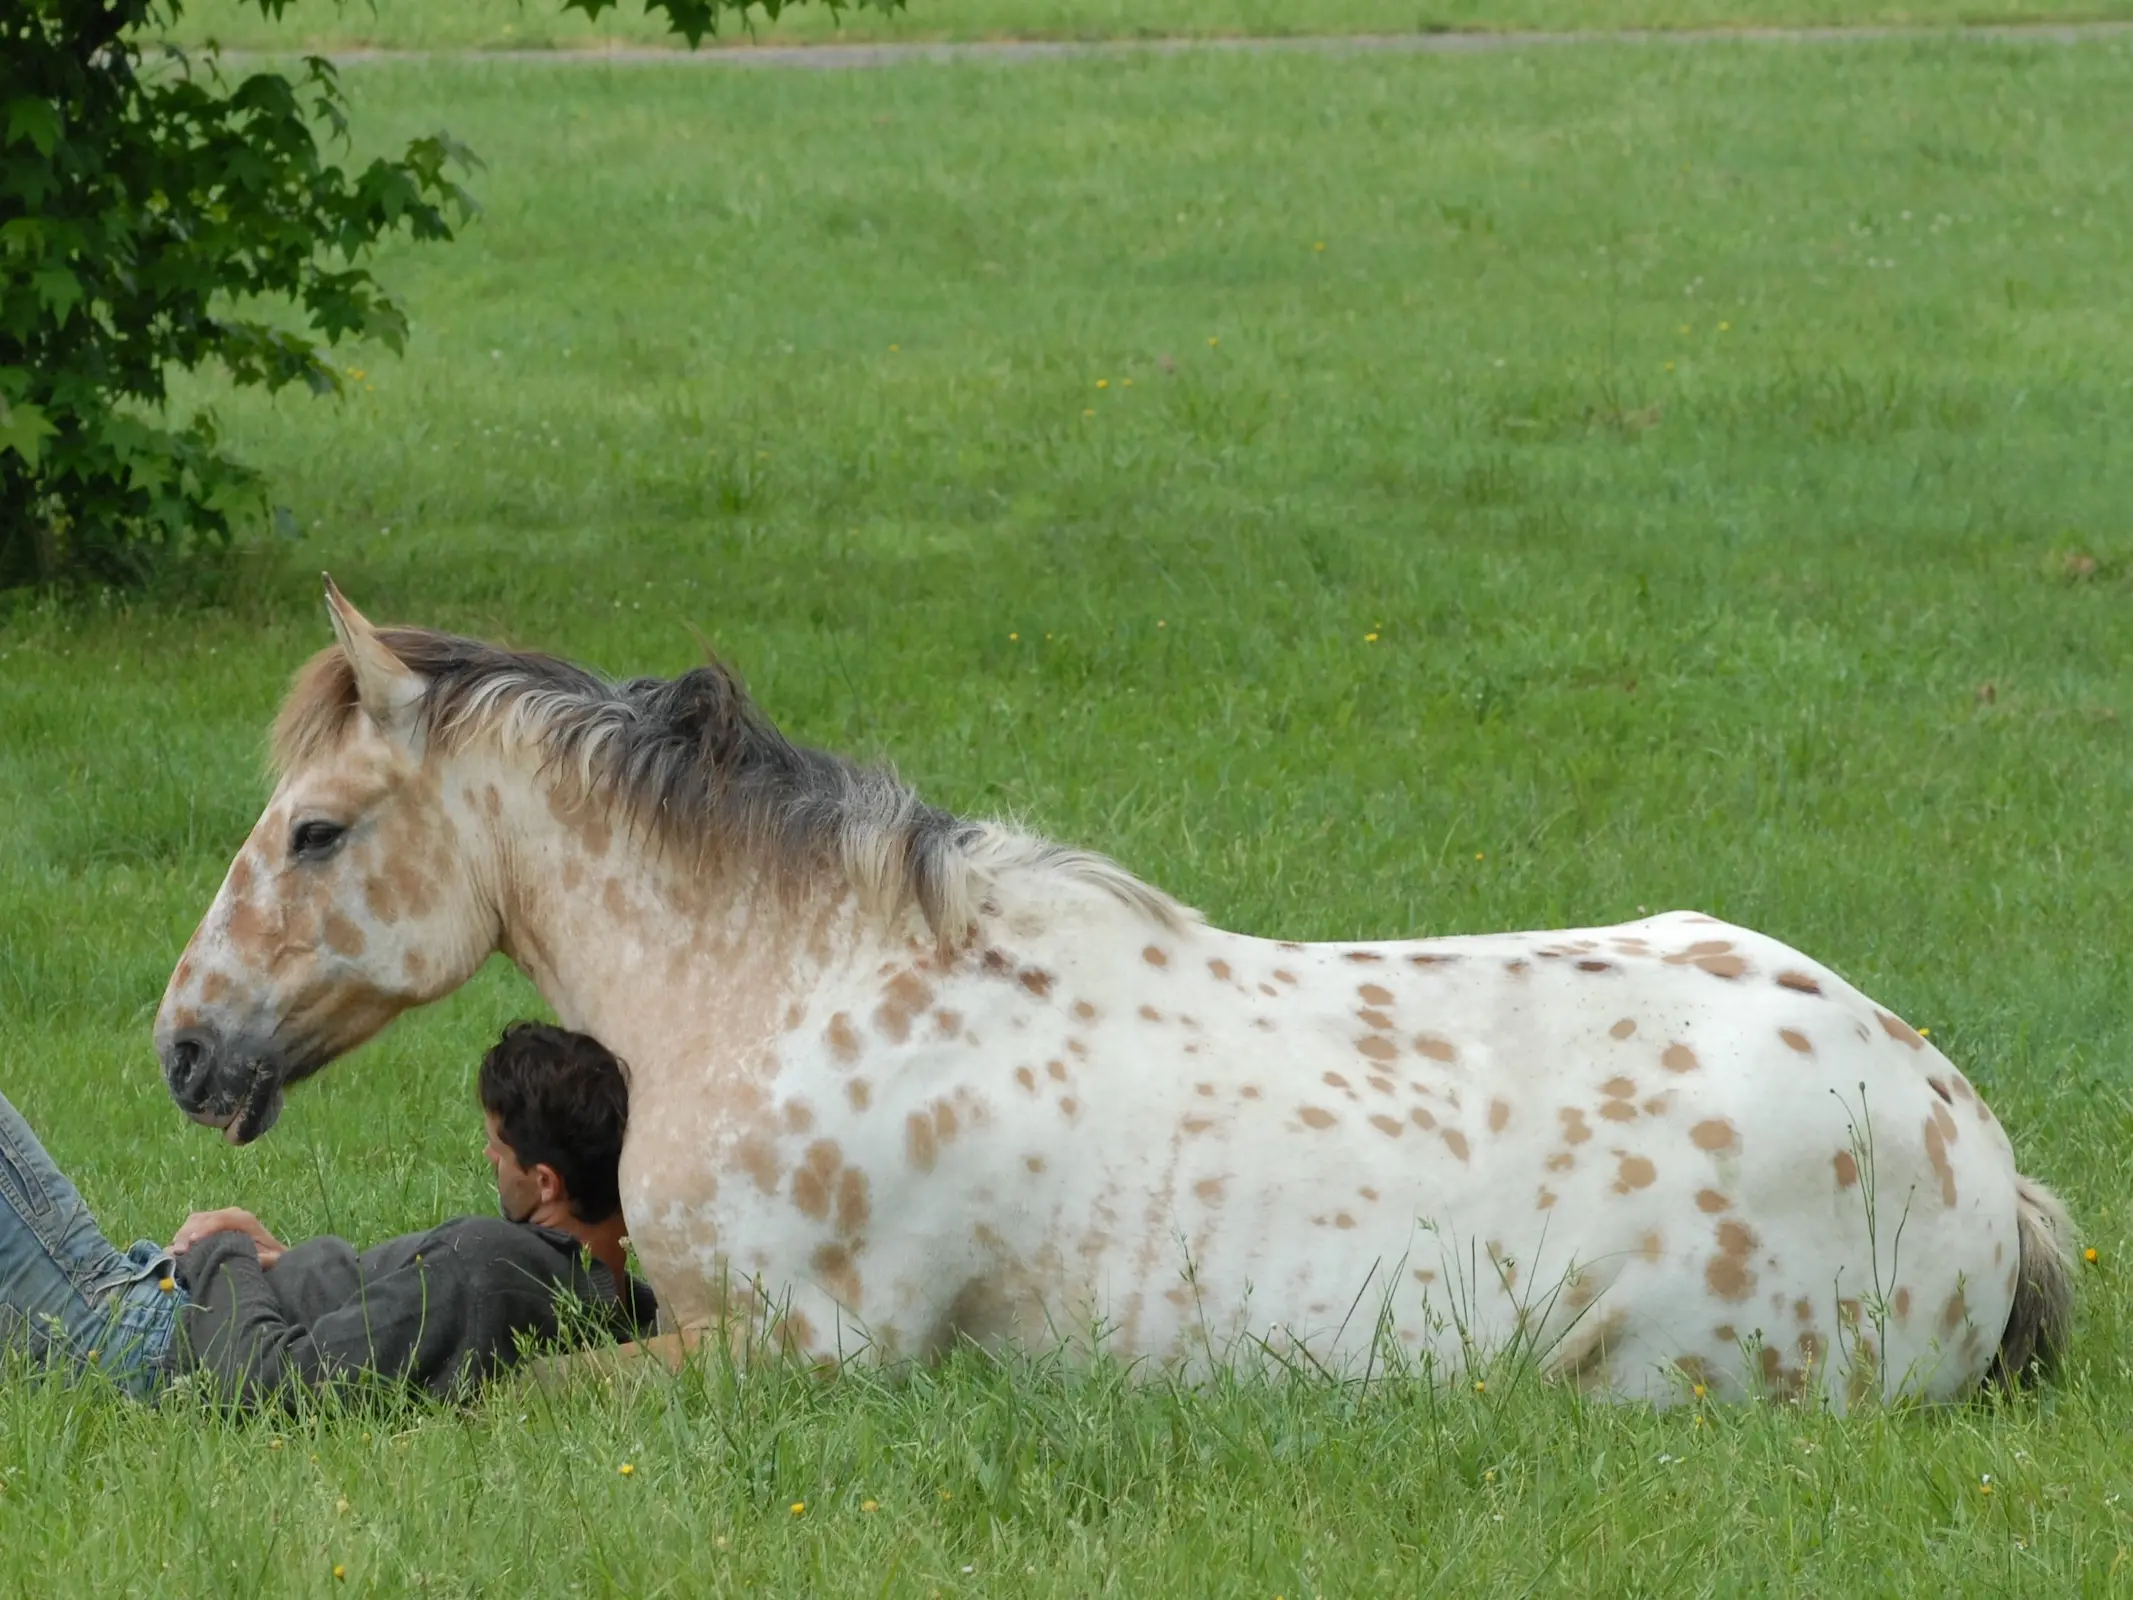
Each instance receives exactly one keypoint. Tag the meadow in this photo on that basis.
(540, 25)
(1367, 496)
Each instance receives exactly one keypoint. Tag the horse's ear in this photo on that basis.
(386, 687)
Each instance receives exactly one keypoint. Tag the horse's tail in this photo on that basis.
(2042, 1318)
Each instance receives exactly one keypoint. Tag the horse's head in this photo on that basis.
(355, 897)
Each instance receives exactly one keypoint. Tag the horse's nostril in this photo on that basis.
(188, 1053)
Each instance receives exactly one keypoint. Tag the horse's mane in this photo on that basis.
(695, 763)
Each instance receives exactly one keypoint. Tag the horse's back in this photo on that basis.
(1646, 1148)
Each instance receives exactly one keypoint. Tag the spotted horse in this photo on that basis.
(900, 1078)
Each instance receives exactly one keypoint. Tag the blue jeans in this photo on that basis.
(66, 1292)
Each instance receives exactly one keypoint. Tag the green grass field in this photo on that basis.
(541, 24)
(1367, 496)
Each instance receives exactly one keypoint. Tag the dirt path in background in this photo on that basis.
(834, 57)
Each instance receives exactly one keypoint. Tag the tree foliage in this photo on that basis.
(157, 215)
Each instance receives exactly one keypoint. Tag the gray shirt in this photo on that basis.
(439, 1310)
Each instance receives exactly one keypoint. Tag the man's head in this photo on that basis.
(556, 1103)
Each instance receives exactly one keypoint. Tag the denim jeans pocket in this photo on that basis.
(19, 1185)
(140, 1262)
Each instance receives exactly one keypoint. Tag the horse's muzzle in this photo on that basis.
(216, 1086)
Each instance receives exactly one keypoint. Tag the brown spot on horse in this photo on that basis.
(1678, 1058)
(1727, 1273)
(842, 1037)
(1714, 1134)
(919, 1146)
(755, 1157)
(907, 997)
(1847, 1169)
(1633, 1172)
(811, 1181)
(1314, 1117)
(1937, 1154)
(1898, 1029)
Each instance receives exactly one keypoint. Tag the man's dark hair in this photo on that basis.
(560, 1099)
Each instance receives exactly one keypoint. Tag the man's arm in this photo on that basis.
(431, 1322)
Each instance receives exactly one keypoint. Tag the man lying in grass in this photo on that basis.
(438, 1310)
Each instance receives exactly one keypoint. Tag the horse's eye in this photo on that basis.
(314, 839)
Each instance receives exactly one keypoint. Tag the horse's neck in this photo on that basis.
(671, 964)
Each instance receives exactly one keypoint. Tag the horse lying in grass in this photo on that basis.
(900, 1078)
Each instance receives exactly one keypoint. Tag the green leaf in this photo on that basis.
(33, 119)
(23, 429)
(22, 236)
(58, 288)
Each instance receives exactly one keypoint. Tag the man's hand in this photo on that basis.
(230, 1219)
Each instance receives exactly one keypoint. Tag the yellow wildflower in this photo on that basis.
(1212, 342)
(340, 1571)
(2089, 1255)
(1370, 638)
(894, 348)
(1699, 1391)
(1725, 327)
(870, 1505)
(1320, 245)
(1480, 1386)
(167, 1285)
(628, 1469)
(798, 1507)
(1103, 383)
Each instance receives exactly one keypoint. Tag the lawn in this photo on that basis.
(1368, 496)
(542, 24)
